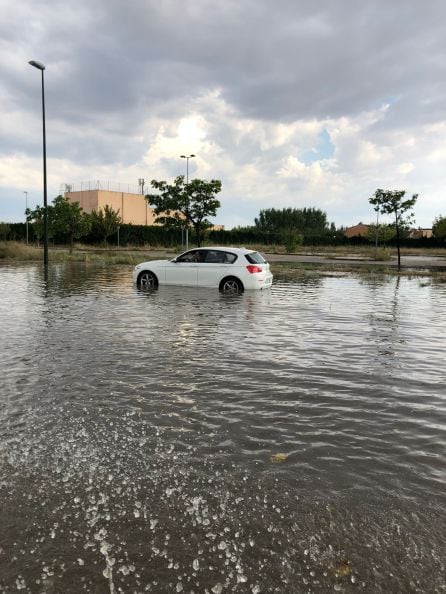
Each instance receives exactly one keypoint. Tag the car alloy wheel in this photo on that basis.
(231, 286)
(147, 280)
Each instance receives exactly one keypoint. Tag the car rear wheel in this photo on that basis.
(147, 280)
(231, 285)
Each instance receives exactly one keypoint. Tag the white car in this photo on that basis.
(231, 270)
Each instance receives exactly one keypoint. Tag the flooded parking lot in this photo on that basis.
(183, 441)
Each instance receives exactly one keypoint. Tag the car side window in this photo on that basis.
(229, 258)
(213, 257)
(188, 257)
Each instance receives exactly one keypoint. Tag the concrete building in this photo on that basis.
(127, 200)
(420, 233)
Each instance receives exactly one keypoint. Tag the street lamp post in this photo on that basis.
(187, 205)
(41, 67)
(26, 215)
(376, 235)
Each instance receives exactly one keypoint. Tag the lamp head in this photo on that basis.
(38, 65)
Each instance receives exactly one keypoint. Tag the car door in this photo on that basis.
(209, 268)
(183, 270)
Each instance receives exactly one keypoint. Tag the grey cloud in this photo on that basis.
(284, 61)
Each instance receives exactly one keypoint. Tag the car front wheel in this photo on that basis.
(231, 285)
(147, 280)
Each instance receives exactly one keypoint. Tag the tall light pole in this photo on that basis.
(187, 205)
(376, 235)
(26, 214)
(41, 67)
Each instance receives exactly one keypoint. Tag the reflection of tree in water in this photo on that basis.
(73, 278)
(284, 274)
(385, 324)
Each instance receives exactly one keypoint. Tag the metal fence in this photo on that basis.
(102, 185)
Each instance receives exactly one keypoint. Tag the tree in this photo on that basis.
(36, 218)
(4, 230)
(105, 222)
(306, 221)
(392, 202)
(382, 233)
(291, 240)
(180, 203)
(439, 227)
(69, 220)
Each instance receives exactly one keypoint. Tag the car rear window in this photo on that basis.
(255, 258)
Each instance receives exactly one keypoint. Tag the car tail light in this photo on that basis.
(252, 268)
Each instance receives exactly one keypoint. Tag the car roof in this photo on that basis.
(226, 248)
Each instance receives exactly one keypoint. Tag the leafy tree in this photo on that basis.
(182, 203)
(69, 221)
(36, 218)
(439, 227)
(306, 221)
(4, 230)
(384, 233)
(392, 202)
(105, 222)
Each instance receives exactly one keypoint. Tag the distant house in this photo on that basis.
(358, 230)
(420, 233)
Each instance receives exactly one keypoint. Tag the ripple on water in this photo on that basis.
(113, 503)
(181, 440)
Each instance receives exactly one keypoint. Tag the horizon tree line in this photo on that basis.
(179, 204)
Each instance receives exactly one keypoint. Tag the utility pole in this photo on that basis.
(41, 67)
(26, 215)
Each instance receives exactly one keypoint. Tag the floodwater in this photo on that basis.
(183, 441)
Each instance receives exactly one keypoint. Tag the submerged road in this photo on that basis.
(407, 261)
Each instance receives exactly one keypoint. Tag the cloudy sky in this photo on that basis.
(289, 102)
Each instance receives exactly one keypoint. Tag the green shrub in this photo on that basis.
(292, 241)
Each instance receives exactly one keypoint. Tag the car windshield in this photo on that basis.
(255, 258)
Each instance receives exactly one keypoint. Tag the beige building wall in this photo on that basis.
(133, 208)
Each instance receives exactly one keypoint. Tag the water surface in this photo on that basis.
(183, 441)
